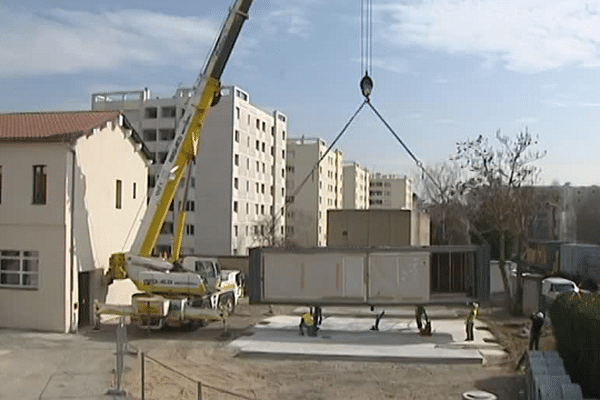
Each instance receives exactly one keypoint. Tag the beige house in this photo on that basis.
(72, 192)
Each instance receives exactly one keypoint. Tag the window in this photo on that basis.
(151, 113)
(236, 160)
(134, 190)
(19, 269)
(257, 145)
(241, 95)
(119, 192)
(262, 188)
(189, 205)
(235, 183)
(235, 206)
(167, 134)
(189, 230)
(151, 181)
(264, 126)
(149, 135)
(237, 112)
(235, 231)
(236, 136)
(257, 123)
(283, 154)
(263, 147)
(167, 228)
(162, 157)
(39, 184)
(167, 112)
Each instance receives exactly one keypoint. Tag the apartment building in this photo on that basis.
(355, 186)
(312, 190)
(390, 192)
(237, 188)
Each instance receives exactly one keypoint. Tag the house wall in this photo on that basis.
(101, 228)
(28, 227)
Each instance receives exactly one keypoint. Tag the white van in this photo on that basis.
(552, 287)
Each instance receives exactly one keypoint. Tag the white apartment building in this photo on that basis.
(306, 213)
(237, 190)
(390, 192)
(355, 186)
(72, 185)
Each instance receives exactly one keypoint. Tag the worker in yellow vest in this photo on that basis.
(306, 320)
(470, 322)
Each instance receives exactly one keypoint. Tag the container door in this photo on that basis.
(354, 277)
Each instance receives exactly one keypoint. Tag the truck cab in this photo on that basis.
(208, 268)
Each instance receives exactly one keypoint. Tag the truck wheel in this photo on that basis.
(227, 304)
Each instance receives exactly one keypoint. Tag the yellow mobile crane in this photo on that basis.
(179, 291)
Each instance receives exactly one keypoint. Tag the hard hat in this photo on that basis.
(539, 314)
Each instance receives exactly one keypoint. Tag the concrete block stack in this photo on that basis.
(547, 379)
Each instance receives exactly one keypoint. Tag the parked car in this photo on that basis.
(552, 287)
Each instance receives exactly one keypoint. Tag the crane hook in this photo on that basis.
(366, 85)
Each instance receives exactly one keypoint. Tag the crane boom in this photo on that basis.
(182, 152)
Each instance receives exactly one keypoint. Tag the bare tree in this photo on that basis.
(498, 190)
(264, 232)
(442, 196)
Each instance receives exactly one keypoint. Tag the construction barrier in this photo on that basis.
(547, 379)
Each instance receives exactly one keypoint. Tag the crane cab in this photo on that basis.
(208, 268)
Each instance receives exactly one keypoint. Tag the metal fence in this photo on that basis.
(164, 379)
(195, 389)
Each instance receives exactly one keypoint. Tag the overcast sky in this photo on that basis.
(444, 70)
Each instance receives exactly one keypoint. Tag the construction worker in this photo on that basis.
(306, 320)
(420, 314)
(537, 321)
(470, 322)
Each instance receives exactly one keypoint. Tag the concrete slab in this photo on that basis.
(351, 338)
(36, 365)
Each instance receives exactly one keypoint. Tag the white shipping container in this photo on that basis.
(320, 276)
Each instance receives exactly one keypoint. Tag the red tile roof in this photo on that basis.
(52, 126)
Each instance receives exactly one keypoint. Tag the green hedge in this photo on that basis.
(576, 322)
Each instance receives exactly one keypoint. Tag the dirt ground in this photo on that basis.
(202, 356)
